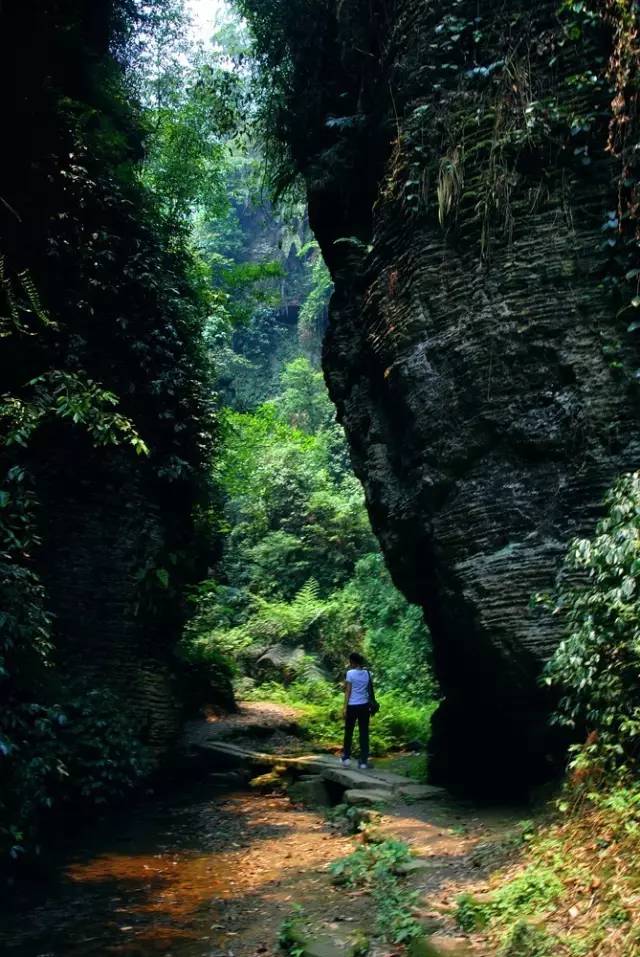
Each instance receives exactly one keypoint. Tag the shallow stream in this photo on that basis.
(196, 874)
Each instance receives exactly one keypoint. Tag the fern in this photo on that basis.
(13, 322)
(33, 298)
(290, 620)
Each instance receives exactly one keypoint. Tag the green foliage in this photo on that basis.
(83, 751)
(50, 757)
(300, 570)
(287, 59)
(527, 940)
(396, 641)
(370, 862)
(291, 935)
(351, 818)
(377, 867)
(191, 109)
(319, 704)
(408, 765)
(314, 308)
(303, 403)
(575, 892)
(471, 915)
(529, 893)
(596, 666)
(394, 906)
(66, 395)
(103, 306)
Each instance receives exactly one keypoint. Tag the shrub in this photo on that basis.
(320, 707)
(471, 914)
(370, 863)
(526, 940)
(377, 867)
(531, 891)
(596, 667)
(83, 752)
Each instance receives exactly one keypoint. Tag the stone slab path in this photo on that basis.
(226, 754)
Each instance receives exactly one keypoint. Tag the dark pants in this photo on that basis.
(359, 713)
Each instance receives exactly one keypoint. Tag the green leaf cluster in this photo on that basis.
(595, 669)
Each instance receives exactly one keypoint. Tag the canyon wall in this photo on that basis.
(460, 185)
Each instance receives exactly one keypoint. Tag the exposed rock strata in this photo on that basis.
(474, 353)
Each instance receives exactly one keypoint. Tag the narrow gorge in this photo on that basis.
(320, 478)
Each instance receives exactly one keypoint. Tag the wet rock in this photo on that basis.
(327, 947)
(418, 864)
(321, 946)
(437, 945)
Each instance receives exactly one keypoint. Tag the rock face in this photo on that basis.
(475, 352)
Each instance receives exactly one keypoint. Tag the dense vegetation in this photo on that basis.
(103, 307)
(153, 275)
(300, 582)
(576, 892)
(164, 412)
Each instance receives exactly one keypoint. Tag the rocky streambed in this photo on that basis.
(213, 869)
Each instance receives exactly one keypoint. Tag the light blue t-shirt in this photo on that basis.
(359, 680)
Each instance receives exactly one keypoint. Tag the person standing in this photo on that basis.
(357, 708)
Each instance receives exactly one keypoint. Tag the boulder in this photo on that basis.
(368, 798)
(311, 790)
(280, 663)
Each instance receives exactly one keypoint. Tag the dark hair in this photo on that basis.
(356, 659)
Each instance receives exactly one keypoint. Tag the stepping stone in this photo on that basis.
(417, 864)
(361, 780)
(439, 946)
(422, 792)
(326, 947)
(271, 781)
(368, 797)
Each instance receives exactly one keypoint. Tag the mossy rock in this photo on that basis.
(528, 940)
(313, 792)
(303, 938)
(427, 946)
(275, 780)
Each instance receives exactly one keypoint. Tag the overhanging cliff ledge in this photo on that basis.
(458, 182)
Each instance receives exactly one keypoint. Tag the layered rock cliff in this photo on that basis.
(461, 190)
